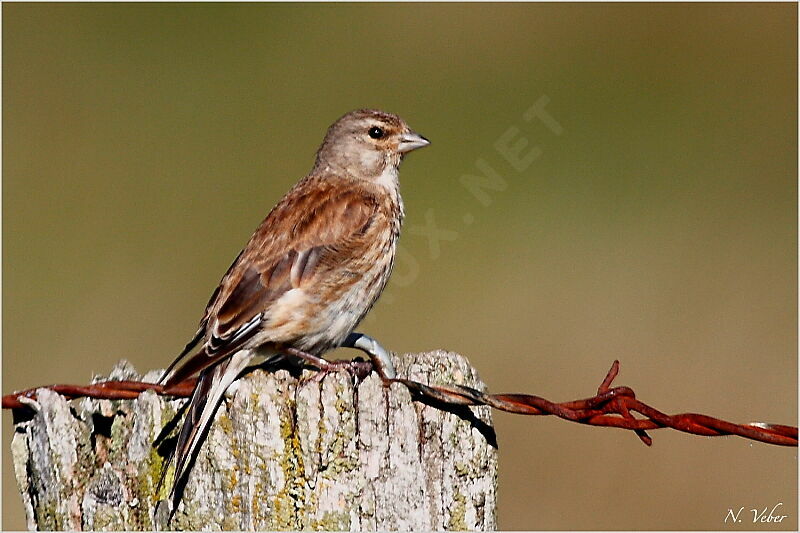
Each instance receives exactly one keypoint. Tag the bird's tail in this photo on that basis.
(211, 386)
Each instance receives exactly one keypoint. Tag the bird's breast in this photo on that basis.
(346, 303)
(321, 314)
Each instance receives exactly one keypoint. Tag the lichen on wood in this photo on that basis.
(284, 453)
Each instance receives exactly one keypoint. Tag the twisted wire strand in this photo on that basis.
(610, 407)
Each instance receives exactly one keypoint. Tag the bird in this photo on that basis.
(309, 274)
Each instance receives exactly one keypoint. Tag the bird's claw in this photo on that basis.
(357, 369)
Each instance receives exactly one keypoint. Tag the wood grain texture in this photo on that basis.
(282, 454)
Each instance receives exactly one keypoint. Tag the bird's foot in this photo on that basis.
(358, 369)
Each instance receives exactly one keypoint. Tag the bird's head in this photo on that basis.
(367, 142)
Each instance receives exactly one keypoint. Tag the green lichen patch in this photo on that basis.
(287, 502)
(331, 521)
(458, 512)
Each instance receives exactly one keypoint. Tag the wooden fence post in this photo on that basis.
(283, 454)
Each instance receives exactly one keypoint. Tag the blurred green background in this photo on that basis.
(143, 144)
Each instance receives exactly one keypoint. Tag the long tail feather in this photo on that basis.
(208, 393)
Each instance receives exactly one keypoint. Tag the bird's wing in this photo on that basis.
(309, 231)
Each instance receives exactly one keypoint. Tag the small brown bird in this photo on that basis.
(308, 275)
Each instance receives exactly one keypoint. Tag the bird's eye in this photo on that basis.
(375, 132)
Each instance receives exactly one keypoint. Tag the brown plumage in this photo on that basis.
(308, 275)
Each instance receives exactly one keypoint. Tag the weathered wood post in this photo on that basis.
(283, 454)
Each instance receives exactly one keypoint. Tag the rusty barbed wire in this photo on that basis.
(103, 390)
(610, 407)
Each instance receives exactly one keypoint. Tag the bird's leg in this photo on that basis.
(380, 357)
(354, 367)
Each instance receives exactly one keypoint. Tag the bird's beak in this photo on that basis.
(411, 141)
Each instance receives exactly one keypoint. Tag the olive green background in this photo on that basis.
(143, 143)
